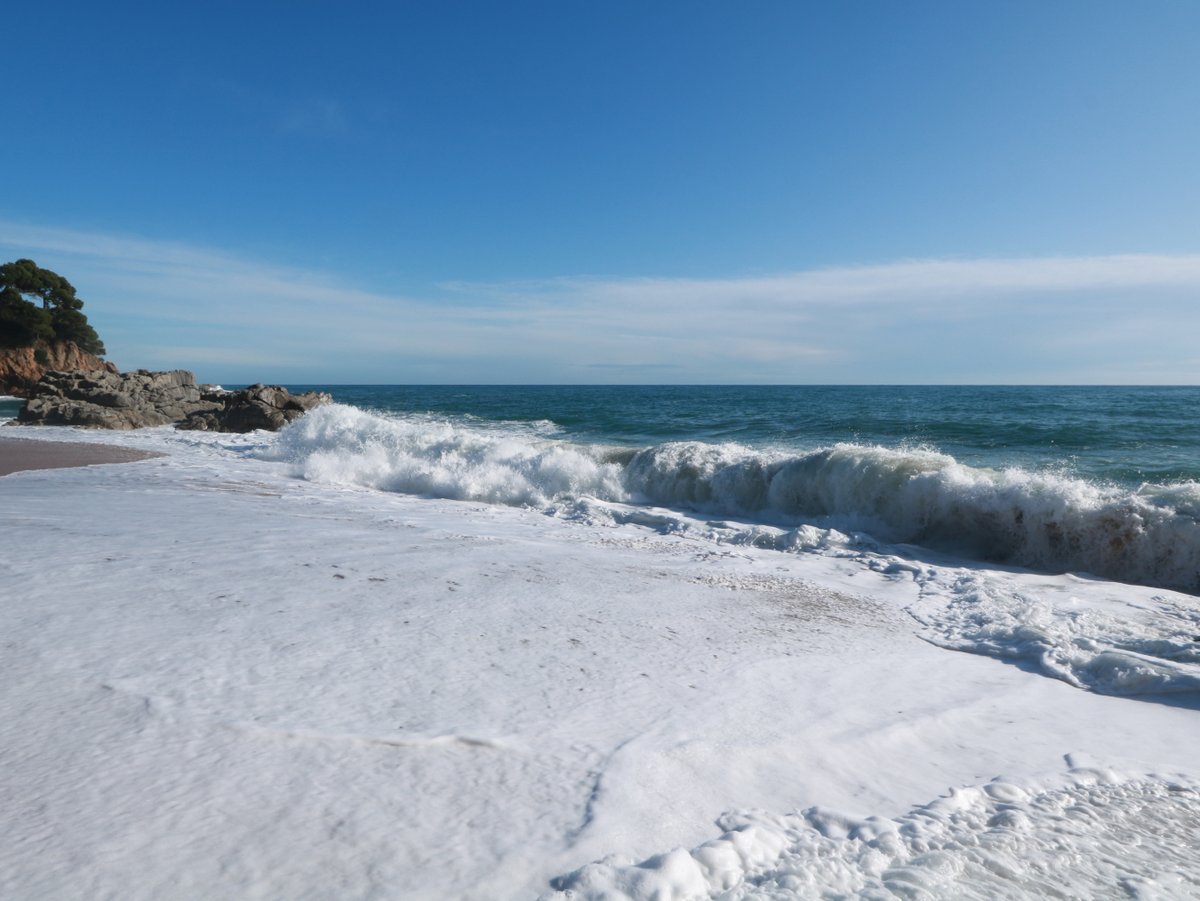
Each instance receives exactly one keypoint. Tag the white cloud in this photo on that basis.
(913, 320)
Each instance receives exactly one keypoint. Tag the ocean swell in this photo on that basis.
(1042, 520)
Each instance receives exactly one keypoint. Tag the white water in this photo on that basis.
(1049, 519)
(1109, 638)
(1040, 520)
(345, 446)
(261, 678)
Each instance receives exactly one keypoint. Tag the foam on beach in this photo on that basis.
(1111, 639)
(253, 675)
(1089, 834)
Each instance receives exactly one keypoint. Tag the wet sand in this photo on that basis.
(17, 455)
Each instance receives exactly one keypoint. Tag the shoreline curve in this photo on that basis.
(17, 455)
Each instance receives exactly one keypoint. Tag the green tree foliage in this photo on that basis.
(37, 304)
(22, 323)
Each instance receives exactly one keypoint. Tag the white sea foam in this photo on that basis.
(1090, 834)
(251, 686)
(1122, 646)
(1042, 520)
(346, 446)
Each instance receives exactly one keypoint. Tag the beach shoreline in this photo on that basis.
(17, 455)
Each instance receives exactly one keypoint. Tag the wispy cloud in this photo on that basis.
(957, 279)
(1016, 319)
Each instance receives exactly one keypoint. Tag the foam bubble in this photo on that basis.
(1087, 834)
(1123, 649)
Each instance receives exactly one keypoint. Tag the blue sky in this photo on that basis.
(616, 192)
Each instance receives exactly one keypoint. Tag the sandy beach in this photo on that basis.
(17, 455)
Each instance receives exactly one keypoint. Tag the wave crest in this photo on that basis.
(1042, 520)
(1035, 519)
(343, 445)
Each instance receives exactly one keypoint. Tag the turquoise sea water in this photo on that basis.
(1121, 435)
(8, 408)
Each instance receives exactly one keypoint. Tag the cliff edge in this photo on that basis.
(21, 368)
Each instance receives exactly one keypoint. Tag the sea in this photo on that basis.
(1103, 480)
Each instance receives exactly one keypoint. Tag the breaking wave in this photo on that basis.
(346, 446)
(1042, 520)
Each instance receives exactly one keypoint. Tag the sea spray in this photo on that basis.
(347, 446)
(1043, 520)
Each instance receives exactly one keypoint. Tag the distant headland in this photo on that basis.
(42, 328)
(52, 356)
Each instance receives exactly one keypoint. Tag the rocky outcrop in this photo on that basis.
(111, 400)
(269, 407)
(23, 367)
(135, 400)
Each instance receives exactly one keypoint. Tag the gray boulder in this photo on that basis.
(113, 400)
(135, 400)
(269, 407)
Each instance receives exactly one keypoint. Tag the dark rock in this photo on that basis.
(269, 407)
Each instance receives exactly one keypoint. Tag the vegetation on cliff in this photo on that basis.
(39, 305)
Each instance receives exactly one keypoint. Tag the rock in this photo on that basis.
(135, 400)
(112, 400)
(21, 368)
(269, 407)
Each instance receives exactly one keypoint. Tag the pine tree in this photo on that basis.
(23, 285)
